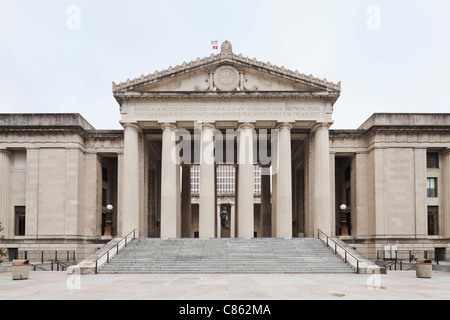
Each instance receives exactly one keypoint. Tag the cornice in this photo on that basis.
(397, 129)
(37, 129)
(235, 95)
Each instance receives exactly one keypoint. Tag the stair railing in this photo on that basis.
(117, 247)
(335, 248)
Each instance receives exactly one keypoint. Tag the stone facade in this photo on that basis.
(58, 173)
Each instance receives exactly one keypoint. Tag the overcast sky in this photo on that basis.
(62, 56)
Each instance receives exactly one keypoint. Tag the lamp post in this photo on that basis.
(108, 220)
(344, 226)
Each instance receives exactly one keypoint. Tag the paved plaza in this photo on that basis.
(402, 285)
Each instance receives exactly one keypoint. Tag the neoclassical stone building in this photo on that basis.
(225, 133)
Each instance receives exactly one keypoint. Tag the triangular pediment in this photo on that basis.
(225, 72)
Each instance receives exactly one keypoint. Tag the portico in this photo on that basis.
(226, 110)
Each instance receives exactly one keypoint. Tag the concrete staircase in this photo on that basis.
(237, 255)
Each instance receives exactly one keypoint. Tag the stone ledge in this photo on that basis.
(87, 266)
(42, 120)
(366, 266)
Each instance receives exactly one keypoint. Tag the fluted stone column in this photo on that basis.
(322, 196)
(265, 216)
(5, 179)
(283, 226)
(170, 187)
(245, 181)
(186, 210)
(130, 195)
(207, 206)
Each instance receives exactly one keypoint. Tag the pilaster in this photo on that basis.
(5, 203)
(446, 195)
(420, 190)
(32, 192)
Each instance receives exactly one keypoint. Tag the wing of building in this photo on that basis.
(225, 146)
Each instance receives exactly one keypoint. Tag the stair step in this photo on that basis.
(259, 255)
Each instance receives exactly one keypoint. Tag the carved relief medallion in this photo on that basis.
(226, 78)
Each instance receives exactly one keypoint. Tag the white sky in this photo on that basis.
(46, 67)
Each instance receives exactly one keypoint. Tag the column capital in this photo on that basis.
(131, 125)
(206, 125)
(285, 125)
(246, 125)
(320, 125)
(5, 152)
(168, 126)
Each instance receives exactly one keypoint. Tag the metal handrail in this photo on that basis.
(335, 248)
(59, 264)
(411, 255)
(115, 247)
(36, 266)
(393, 263)
(40, 254)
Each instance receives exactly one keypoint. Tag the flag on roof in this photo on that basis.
(215, 45)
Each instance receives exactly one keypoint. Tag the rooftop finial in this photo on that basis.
(226, 47)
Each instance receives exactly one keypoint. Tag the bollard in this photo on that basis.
(20, 269)
(424, 268)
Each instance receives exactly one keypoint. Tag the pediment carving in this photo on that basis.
(226, 78)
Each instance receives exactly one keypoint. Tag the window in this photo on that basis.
(432, 187)
(433, 221)
(226, 177)
(433, 160)
(195, 179)
(257, 180)
(19, 221)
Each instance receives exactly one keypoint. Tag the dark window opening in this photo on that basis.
(19, 220)
(433, 221)
(433, 160)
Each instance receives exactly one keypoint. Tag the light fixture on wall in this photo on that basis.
(108, 220)
(344, 226)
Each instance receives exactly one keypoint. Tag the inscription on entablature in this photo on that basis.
(225, 112)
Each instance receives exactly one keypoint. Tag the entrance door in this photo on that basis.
(225, 220)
